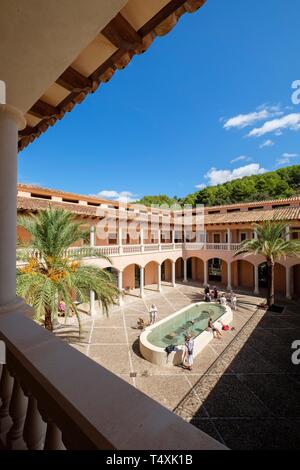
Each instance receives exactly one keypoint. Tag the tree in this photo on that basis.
(51, 275)
(270, 243)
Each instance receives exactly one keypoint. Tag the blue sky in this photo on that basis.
(209, 102)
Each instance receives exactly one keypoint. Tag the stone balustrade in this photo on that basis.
(53, 397)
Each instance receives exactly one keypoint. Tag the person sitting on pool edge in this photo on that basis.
(215, 331)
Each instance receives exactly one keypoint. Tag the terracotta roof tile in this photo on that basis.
(287, 213)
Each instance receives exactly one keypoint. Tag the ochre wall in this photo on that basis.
(296, 276)
(129, 277)
(279, 279)
(245, 275)
(151, 274)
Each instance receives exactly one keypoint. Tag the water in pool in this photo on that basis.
(193, 320)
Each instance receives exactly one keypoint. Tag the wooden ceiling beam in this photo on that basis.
(162, 15)
(74, 81)
(121, 34)
(42, 110)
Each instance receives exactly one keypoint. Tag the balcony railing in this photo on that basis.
(53, 397)
(117, 250)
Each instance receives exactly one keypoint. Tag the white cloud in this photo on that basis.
(120, 196)
(215, 176)
(201, 186)
(244, 120)
(267, 143)
(240, 159)
(290, 121)
(286, 158)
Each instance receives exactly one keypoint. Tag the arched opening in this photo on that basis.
(151, 273)
(114, 272)
(242, 273)
(295, 281)
(131, 277)
(195, 269)
(217, 271)
(166, 271)
(280, 279)
(263, 275)
(179, 269)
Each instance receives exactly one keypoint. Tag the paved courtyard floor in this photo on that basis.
(243, 389)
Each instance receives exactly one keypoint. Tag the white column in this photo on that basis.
(142, 239)
(142, 277)
(10, 121)
(229, 286)
(288, 283)
(120, 287)
(159, 239)
(92, 303)
(173, 274)
(255, 234)
(229, 238)
(287, 233)
(92, 236)
(173, 239)
(159, 277)
(205, 263)
(256, 281)
(185, 270)
(120, 240)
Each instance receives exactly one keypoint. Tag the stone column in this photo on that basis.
(92, 303)
(142, 239)
(287, 233)
(142, 281)
(92, 236)
(159, 239)
(120, 240)
(185, 279)
(205, 263)
(229, 238)
(256, 281)
(159, 277)
(173, 274)
(229, 286)
(288, 283)
(11, 120)
(120, 287)
(173, 239)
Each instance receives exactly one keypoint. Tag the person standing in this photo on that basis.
(233, 300)
(153, 314)
(223, 300)
(188, 355)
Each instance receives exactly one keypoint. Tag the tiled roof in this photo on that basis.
(256, 203)
(31, 204)
(286, 213)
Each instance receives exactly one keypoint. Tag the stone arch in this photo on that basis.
(217, 271)
(131, 276)
(195, 269)
(151, 273)
(242, 274)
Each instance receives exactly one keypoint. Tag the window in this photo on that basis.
(229, 211)
(256, 208)
(214, 212)
(73, 201)
(243, 236)
(41, 196)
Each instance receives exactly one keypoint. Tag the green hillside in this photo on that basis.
(282, 183)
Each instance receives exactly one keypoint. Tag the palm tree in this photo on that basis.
(269, 242)
(51, 275)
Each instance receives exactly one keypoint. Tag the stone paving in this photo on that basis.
(242, 388)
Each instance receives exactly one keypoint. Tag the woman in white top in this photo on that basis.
(233, 300)
(153, 314)
(223, 300)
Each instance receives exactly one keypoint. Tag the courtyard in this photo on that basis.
(243, 389)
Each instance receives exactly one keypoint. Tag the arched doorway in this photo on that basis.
(179, 269)
(217, 271)
(166, 271)
(242, 273)
(295, 280)
(151, 273)
(195, 269)
(131, 277)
